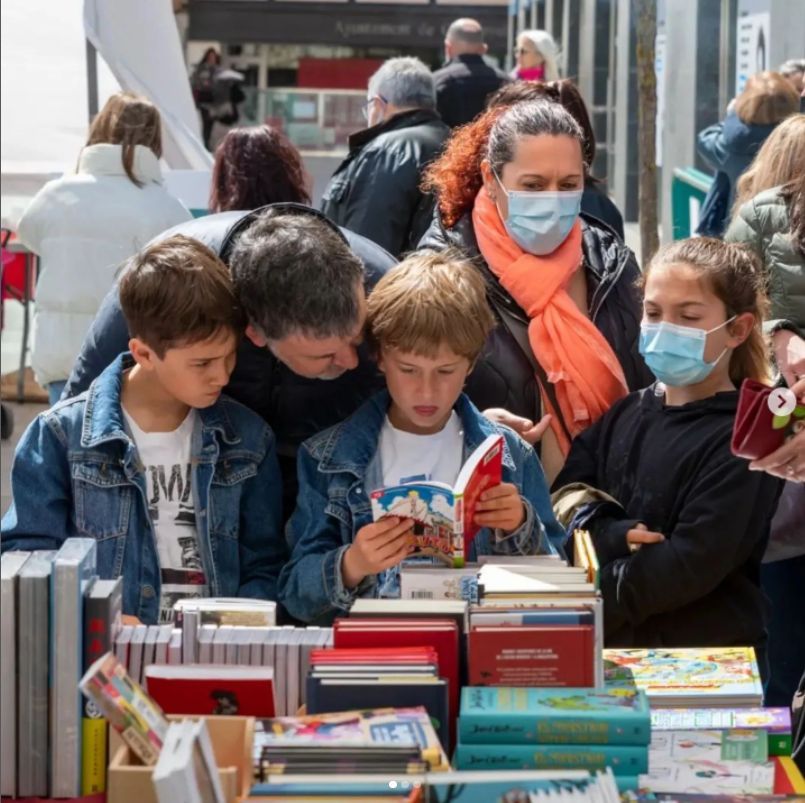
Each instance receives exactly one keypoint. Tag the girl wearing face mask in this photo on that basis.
(680, 524)
(509, 189)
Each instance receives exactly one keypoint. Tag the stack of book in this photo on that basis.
(402, 677)
(286, 650)
(57, 618)
(403, 626)
(396, 741)
(536, 627)
(527, 728)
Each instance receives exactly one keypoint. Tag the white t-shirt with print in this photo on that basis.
(166, 457)
(406, 457)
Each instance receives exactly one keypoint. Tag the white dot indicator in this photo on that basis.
(782, 401)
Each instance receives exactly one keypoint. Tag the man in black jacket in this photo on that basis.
(375, 190)
(466, 81)
(302, 283)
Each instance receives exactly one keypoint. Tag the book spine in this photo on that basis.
(779, 744)
(514, 728)
(8, 686)
(33, 686)
(101, 615)
(623, 760)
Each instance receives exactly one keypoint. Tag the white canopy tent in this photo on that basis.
(44, 107)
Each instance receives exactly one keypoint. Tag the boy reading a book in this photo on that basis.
(428, 320)
(178, 484)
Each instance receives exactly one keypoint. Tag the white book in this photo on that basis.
(238, 611)
(136, 653)
(33, 698)
(500, 580)
(175, 648)
(437, 582)
(206, 638)
(258, 645)
(163, 642)
(10, 566)
(525, 560)
(73, 571)
(281, 671)
(293, 694)
(219, 642)
(244, 637)
(186, 771)
(231, 641)
(421, 608)
(122, 641)
(150, 646)
(190, 623)
(270, 647)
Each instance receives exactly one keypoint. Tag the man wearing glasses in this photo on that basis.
(375, 190)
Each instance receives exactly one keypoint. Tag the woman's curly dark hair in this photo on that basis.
(255, 167)
(455, 177)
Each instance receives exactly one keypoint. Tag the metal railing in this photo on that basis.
(318, 120)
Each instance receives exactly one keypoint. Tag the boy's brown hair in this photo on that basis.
(430, 299)
(178, 292)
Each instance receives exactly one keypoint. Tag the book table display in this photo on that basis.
(484, 683)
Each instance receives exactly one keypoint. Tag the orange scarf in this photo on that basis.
(577, 358)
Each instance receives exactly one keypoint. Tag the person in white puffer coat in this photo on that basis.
(84, 225)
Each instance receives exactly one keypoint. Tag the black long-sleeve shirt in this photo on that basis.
(671, 468)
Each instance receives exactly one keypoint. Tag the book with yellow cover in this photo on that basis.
(717, 677)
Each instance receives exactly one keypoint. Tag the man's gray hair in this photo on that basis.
(404, 82)
(792, 66)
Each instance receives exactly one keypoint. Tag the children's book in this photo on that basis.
(623, 759)
(444, 524)
(553, 716)
(715, 677)
(774, 722)
(130, 711)
(382, 736)
(712, 777)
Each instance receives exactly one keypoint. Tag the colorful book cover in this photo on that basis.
(623, 759)
(129, 710)
(532, 656)
(713, 745)
(365, 729)
(553, 716)
(710, 777)
(718, 676)
(775, 722)
(443, 516)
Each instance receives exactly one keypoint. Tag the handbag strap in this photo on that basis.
(520, 335)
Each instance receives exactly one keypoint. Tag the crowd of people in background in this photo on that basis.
(517, 309)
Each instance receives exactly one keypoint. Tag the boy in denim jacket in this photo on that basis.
(178, 484)
(427, 321)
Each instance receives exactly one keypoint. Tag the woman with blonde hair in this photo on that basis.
(729, 146)
(537, 56)
(83, 225)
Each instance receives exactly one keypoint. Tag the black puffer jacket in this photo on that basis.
(293, 406)
(503, 376)
(375, 190)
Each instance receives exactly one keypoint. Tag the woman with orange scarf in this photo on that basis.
(509, 191)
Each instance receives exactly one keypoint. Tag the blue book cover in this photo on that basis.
(622, 759)
(500, 715)
(325, 695)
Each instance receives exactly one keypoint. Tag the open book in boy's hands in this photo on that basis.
(443, 517)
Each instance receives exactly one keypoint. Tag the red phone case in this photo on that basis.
(753, 433)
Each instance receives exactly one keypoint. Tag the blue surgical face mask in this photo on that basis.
(539, 222)
(675, 354)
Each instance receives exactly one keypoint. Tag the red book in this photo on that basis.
(380, 656)
(439, 634)
(506, 655)
(246, 691)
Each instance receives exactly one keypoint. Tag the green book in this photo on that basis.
(501, 715)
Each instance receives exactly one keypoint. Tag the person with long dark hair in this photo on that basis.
(255, 167)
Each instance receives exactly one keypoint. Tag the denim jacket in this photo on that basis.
(338, 469)
(76, 472)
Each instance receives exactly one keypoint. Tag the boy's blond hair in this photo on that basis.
(430, 299)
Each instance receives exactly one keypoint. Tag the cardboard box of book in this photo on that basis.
(232, 742)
